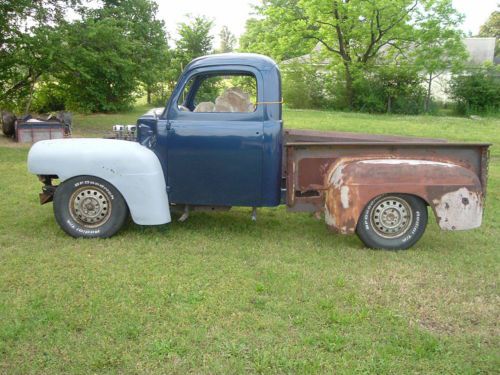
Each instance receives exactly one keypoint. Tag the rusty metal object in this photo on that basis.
(48, 190)
(340, 178)
(47, 194)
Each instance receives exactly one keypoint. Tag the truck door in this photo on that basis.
(215, 139)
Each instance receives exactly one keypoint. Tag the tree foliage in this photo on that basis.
(355, 34)
(390, 89)
(491, 28)
(304, 87)
(29, 46)
(439, 48)
(277, 31)
(227, 40)
(100, 60)
(101, 72)
(110, 52)
(478, 91)
(195, 38)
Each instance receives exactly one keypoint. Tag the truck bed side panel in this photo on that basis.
(436, 172)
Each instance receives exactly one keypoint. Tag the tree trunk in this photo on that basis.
(349, 86)
(389, 104)
(428, 96)
(148, 90)
(30, 97)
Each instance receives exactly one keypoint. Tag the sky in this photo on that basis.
(234, 13)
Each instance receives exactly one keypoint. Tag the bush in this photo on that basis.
(389, 90)
(307, 88)
(48, 97)
(386, 89)
(477, 92)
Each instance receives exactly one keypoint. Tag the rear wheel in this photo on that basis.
(392, 221)
(88, 206)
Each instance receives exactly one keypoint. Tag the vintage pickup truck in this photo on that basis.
(220, 143)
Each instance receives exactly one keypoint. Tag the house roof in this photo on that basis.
(480, 50)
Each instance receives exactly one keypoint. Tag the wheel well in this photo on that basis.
(100, 178)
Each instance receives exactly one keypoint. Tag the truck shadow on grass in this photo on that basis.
(272, 225)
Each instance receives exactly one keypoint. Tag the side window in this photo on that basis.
(220, 93)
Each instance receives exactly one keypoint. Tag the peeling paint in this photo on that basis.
(330, 219)
(408, 162)
(337, 176)
(344, 196)
(459, 210)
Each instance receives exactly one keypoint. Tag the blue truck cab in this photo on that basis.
(220, 158)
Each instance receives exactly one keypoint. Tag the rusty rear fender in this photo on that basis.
(454, 193)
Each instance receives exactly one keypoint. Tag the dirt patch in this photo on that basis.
(9, 142)
(436, 302)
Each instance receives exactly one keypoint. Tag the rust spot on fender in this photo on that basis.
(459, 210)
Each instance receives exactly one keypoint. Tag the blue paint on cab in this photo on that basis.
(216, 158)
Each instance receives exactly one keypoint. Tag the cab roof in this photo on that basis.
(260, 62)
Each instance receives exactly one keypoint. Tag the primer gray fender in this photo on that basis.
(131, 168)
(453, 192)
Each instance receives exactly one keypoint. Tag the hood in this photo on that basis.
(153, 113)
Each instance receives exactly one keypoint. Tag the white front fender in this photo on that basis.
(131, 168)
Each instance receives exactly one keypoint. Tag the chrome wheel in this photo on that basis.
(391, 217)
(90, 206)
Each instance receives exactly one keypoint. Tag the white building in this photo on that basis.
(481, 50)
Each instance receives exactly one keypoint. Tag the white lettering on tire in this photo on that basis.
(93, 183)
(80, 230)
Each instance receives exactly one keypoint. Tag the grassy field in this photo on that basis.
(222, 294)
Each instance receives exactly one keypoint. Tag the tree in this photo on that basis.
(29, 46)
(195, 38)
(227, 40)
(276, 32)
(491, 28)
(110, 52)
(439, 48)
(100, 74)
(152, 53)
(355, 33)
(99, 60)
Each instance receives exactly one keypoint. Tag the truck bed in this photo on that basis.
(309, 157)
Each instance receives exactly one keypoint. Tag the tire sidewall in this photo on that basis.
(372, 239)
(119, 210)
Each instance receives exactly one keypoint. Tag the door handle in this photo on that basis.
(169, 125)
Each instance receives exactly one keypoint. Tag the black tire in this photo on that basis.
(87, 206)
(8, 124)
(398, 224)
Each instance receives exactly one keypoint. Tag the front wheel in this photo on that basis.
(87, 206)
(392, 221)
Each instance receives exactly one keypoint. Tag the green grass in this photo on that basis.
(222, 294)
